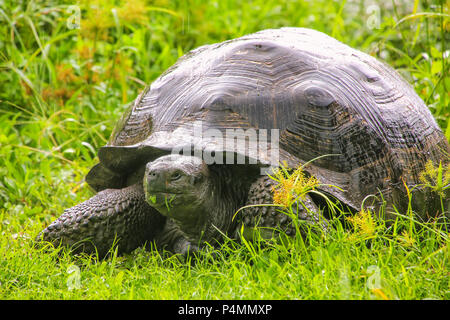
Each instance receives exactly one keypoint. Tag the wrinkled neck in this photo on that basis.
(224, 194)
(227, 195)
(197, 213)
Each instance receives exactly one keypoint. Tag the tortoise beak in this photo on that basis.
(156, 180)
(159, 177)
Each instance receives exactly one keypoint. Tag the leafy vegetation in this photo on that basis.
(69, 69)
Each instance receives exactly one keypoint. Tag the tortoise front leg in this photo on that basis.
(113, 215)
(172, 239)
(271, 219)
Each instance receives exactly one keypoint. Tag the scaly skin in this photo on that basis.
(269, 219)
(112, 215)
(198, 202)
(198, 199)
(180, 204)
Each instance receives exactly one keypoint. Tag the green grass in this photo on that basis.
(63, 89)
(389, 264)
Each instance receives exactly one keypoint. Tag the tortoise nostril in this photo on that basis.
(152, 175)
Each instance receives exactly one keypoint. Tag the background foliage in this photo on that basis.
(69, 69)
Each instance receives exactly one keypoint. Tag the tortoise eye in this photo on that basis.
(176, 176)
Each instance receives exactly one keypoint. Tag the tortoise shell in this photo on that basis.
(363, 126)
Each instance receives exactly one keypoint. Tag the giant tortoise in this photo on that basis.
(197, 144)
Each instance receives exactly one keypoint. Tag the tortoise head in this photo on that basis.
(179, 187)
